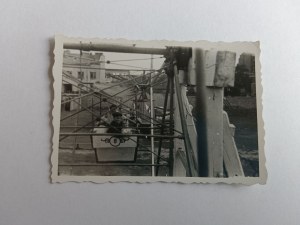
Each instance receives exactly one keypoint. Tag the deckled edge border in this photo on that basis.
(249, 47)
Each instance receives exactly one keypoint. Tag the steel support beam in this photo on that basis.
(115, 48)
(110, 164)
(171, 127)
(163, 123)
(120, 134)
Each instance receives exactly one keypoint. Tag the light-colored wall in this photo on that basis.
(99, 69)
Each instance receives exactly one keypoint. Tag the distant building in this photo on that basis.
(88, 68)
(247, 69)
(117, 75)
(244, 84)
(248, 62)
(67, 93)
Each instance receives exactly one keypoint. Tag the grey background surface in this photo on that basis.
(26, 195)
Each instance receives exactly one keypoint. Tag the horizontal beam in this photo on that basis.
(120, 134)
(115, 69)
(61, 127)
(115, 48)
(75, 98)
(111, 164)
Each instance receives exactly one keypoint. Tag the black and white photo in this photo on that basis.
(146, 111)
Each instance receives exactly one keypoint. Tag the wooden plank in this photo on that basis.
(182, 157)
(179, 170)
(181, 107)
(225, 69)
(214, 124)
(179, 166)
(232, 161)
(190, 122)
(210, 67)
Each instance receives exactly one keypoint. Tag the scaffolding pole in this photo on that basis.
(152, 115)
(171, 127)
(115, 48)
(163, 122)
(120, 103)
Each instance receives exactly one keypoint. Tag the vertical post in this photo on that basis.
(93, 122)
(215, 129)
(191, 163)
(152, 115)
(80, 101)
(200, 109)
(163, 125)
(171, 126)
(92, 108)
(80, 78)
(209, 108)
(100, 107)
(135, 109)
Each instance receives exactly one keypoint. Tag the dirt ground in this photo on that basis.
(85, 154)
(242, 113)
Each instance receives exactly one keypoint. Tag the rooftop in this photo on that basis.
(85, 59)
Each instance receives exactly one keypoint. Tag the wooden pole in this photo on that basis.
(200, 109)
(209, 117)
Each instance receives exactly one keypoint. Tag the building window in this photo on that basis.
(68, 88)
(80, 75)
(92, 75)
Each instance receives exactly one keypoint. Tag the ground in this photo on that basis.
(242, 113)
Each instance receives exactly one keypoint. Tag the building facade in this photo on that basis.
(117, 75)
(87, 67)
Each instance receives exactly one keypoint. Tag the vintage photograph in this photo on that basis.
(143, 111)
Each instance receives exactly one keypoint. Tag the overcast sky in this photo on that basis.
(134, 60)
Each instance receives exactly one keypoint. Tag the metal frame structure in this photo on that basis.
(166, 132)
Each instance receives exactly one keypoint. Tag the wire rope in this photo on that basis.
(129, 60)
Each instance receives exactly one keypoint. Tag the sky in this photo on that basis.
(134, 60)
(128, 61)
